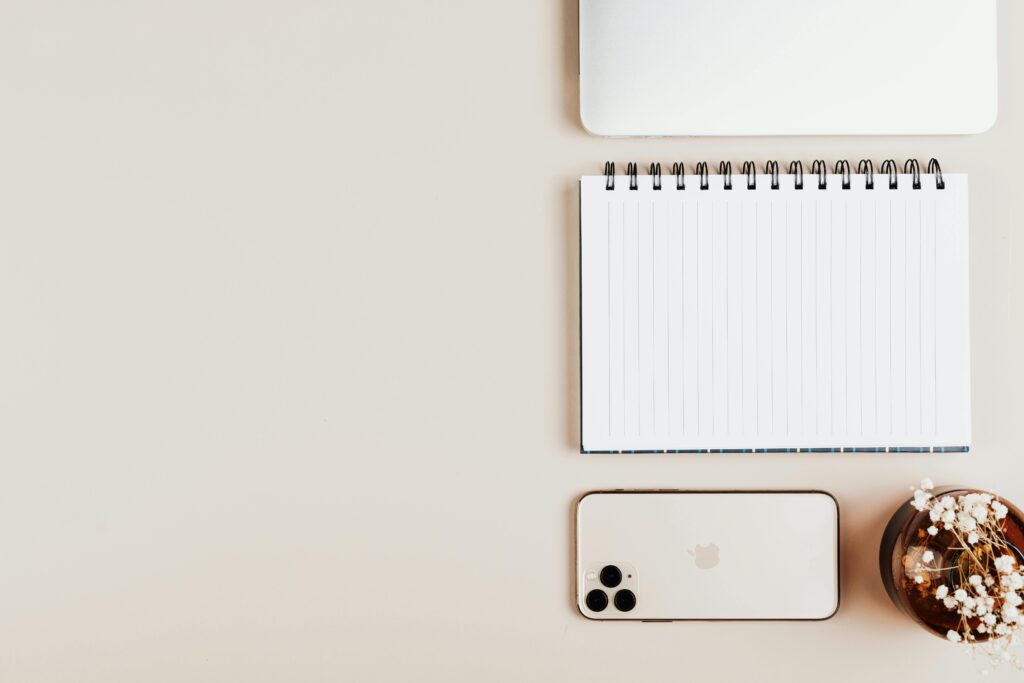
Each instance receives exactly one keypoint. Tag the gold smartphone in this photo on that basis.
(707, 555)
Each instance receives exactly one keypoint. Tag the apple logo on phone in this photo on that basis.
(705, 556)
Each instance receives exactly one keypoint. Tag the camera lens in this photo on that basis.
(625, 600)
(597, 600)
(611, 576)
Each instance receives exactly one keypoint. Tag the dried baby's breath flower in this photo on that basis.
(966, 523)
(988, 598)
(920, 499)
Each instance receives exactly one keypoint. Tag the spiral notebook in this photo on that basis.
(761, 311)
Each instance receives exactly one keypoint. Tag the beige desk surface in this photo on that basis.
(288, 359)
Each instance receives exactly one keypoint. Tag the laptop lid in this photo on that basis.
(788, 67)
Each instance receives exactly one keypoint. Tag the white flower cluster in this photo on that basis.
(989, 601)
(976, 601)
(964, 514)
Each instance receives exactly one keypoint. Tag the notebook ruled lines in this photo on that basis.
(757, 319)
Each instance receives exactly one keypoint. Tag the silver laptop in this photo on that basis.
(787, 67)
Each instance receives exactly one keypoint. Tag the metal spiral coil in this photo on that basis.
(889, 167)
(843, 171)
(750, 170)
(933, 167)
(772, 169)
(725, 170)
(867, 169)
(914, 170)
(796, 169)
(679, 170)
(819, 167)
(702, 172)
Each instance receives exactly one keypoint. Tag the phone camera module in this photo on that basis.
(611, 576)
(597, 600)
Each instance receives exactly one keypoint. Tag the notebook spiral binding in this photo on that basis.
(796, 169)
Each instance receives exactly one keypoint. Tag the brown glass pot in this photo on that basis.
(906, 539)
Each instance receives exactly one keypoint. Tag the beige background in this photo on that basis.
(288, 353)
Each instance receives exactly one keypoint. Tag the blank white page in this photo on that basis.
(788, 319)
